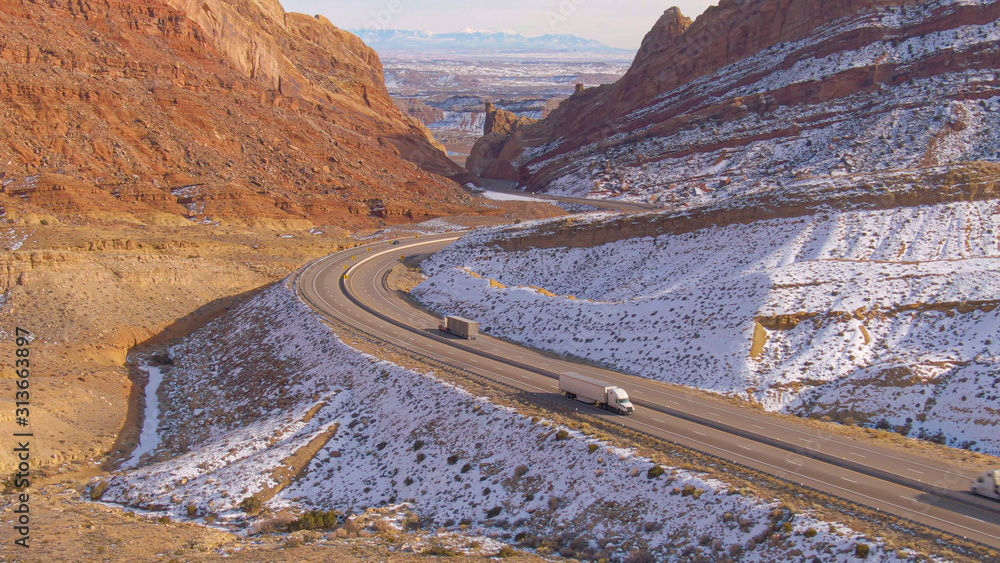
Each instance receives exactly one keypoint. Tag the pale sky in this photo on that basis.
(616, 23)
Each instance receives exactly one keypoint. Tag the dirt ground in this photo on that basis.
(91, 295)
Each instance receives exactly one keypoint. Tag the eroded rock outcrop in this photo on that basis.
(485, 158)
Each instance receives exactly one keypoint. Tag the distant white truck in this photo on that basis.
(988, 485)
(593, 391)
(460, 327)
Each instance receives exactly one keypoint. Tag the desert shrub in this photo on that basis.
(439, 551)
(408, 481)
(810, 533)
(192, 510)
(520, 470)
(417, 445)
(688, 490)
(163, 519)
(316, 520)
(655, 471)
(420, 457)
(735, 550)
(506, 551)
(453, 459)
(99, 489)
(251, 504)
(351, 528)
(553, 502)
(562, 435)
(862, 550)
(412, 522)
(269, 525)
(494, 512)
(466, 468)
(592, 448)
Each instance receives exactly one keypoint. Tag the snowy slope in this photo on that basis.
(888, 314)
(234, 418)
(885, 88)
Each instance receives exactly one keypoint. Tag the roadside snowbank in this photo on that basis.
(266, 402)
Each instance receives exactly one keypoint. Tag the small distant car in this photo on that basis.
(394, 243)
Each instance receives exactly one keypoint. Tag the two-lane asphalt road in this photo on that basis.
(925, 490)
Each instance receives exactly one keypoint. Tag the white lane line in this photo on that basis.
(713, 414)
(660, 420)
(698, 433)
(915, 471)
(849, 481)
(757, 427)
(856, 454)
(749, 449)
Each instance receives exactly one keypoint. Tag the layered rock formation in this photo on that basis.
(212, 110)
(756, 94)
(499, 126)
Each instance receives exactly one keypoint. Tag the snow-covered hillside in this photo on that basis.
(300, 420)
(886, 316)
(882, 88)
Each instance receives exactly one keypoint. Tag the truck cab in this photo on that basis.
(618, 400)
(988, 485)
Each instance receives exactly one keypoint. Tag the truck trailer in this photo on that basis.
(593, 391)
(988, 485)
(460, 327)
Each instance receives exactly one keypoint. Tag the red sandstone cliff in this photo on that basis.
(217, 110)
(759, 92)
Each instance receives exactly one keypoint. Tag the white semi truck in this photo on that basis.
(460, 327)
(593, 391)
(988, 485)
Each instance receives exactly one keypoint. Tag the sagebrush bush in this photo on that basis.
(251, 504)
(99, 489)
(862, 550)
(316, 520)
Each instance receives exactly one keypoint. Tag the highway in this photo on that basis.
(924, 490)
(510, 188)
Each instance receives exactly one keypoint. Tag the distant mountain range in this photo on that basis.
(478, 41)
